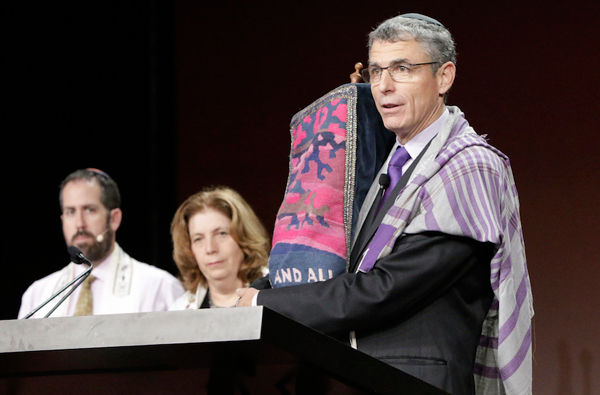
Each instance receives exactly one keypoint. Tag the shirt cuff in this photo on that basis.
(254, 300)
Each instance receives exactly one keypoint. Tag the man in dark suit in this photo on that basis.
(426, 287)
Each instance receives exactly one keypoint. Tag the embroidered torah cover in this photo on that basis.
(338, 144)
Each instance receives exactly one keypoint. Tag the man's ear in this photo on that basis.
(445, 76)
(115, 219)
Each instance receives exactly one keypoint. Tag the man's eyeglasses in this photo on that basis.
(399, 72)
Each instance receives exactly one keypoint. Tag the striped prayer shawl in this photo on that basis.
(464, 186)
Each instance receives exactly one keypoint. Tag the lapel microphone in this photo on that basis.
(384, 180)
(100, 237)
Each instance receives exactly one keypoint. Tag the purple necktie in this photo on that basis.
(384, 232)
(398, 160)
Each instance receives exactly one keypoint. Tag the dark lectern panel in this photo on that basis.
(217, 351)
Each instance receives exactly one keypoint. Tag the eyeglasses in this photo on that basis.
(399, 72)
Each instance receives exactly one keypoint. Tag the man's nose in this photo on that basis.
(80, 221)
(386, 83)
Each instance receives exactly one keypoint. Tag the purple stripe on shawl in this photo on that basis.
(510, 368)
(449, 150)
(488, 341)
(399, 212)
(495, 285)
(496, 269)
(490, 158)
(453, 203)
(495, 304)
(498, 276)
(419, 180)
(441, 159)
(460, 185)
(497, 185)
(486, 371)
(480, 204)
(496, 262)
(509, 325)
(494, 282)
(489, 183)
(513, 221)
(427, 202)
(464, 194)
(484, 209)
(458, 195)
(514, 189)
(505, 269)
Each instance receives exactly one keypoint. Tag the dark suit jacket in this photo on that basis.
(419, 309)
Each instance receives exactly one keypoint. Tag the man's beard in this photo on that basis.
(95, 251)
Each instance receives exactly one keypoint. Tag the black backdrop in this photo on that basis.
(90, 84)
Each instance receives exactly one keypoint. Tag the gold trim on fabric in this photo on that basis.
(350, 176)
(123, 275)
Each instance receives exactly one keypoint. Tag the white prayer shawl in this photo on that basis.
(463, 186)
(131, 286)
(189, 300)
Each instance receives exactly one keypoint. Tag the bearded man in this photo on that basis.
(90, 204)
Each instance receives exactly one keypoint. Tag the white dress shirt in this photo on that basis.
(122, 285)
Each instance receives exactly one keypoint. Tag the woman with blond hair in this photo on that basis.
(219, 245)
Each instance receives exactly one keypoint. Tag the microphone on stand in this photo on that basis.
(77, 257)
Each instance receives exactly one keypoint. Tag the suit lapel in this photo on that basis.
(370, 227)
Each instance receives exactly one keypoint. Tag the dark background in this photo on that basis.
(168, 97)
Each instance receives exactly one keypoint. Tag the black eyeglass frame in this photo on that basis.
(366, 76)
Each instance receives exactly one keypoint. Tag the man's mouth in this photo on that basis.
(81, 235)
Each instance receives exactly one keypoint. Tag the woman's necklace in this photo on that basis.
(212, 304)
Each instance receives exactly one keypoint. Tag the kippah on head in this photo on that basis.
(98, 171)
(421, 17)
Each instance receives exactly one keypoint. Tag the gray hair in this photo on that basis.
(436, 39)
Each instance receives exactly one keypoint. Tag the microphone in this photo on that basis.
(100, 237)
(384, 183)
(78, 258)
(384, 180)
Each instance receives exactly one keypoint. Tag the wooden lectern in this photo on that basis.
(212, 351)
